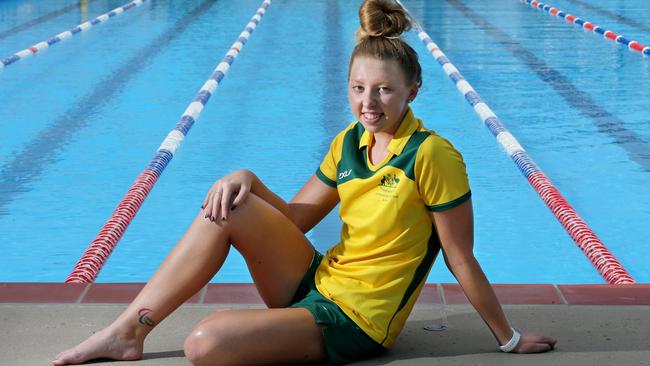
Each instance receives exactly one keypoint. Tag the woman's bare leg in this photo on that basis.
(255, 337)
(276, 251)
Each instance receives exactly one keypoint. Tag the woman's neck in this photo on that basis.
(378, 148)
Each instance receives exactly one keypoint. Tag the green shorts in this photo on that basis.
(344, 340)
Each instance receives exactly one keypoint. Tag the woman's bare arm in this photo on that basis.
(456, 230)
(314, 200)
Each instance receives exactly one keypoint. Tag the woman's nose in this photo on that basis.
(369, 99)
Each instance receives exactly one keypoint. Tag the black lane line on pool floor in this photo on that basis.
(39, 20)
(333, 108)
(16, 176)
(637, 149)
(619, 18)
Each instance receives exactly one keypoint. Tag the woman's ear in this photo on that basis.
(413, 93)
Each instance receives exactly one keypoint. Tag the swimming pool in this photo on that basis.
(81, 121)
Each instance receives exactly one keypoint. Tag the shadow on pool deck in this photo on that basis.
(34, 333)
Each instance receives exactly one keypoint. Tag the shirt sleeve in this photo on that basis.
(441, 175)
(326, 172)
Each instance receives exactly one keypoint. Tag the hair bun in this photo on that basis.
(382, 18)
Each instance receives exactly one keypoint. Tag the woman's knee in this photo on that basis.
(208, 342)
(194, 348)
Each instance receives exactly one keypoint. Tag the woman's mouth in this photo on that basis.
(371, 117)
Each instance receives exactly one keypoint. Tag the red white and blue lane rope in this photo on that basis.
(633, 45)
(604, 261)
(67, 34)
(93, 259)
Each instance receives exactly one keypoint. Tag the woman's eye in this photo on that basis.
(357, 88)
(385, 89)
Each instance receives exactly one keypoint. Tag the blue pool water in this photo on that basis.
(81, 120)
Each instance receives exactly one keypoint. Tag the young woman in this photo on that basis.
(404, 195)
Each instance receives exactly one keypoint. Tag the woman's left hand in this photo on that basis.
(226, 193)
(534, 343)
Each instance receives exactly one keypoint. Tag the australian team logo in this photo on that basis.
(389, 182)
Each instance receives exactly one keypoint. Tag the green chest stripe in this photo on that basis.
(353, 160)
(433, 248)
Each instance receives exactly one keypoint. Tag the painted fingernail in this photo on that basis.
(202, 206)
(211, 218)
(233, 207)
(223, 219)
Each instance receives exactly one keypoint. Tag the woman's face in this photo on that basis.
(379, 94)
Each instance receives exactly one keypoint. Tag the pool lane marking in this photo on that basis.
(43, 18)
(332, 107)
(601, 258)
(618, 38)
(619, 18)
(27, 165)
(100, 249)
(637, 149)
(67, 34)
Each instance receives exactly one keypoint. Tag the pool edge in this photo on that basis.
(245, 293)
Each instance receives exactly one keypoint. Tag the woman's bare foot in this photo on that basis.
(107, 343)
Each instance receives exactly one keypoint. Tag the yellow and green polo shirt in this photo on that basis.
(388, 242)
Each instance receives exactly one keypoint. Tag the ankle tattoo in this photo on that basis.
(144, 317)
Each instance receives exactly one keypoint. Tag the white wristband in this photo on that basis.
(512, 343)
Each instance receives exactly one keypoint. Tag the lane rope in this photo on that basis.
(607, 34)
(29, 51)
(102, 246)
(601, 258)
(37, 21)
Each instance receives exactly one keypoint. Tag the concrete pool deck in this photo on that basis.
(594, 324)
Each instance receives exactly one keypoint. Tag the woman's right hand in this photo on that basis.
(227, 193)
(534, 343)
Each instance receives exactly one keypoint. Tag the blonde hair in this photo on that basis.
(382, 23)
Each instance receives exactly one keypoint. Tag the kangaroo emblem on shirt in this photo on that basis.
(389, 180)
